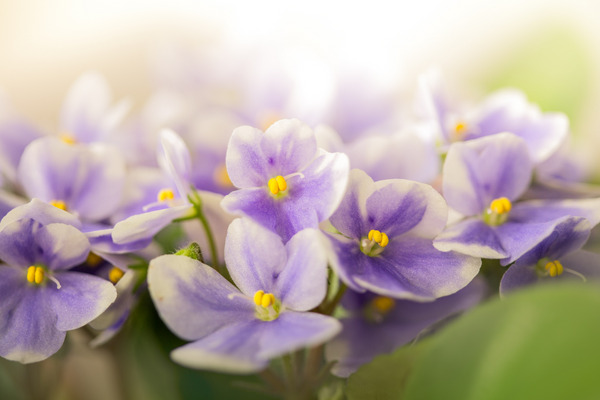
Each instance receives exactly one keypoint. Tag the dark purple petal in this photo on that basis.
(351, 214)
(80, 299)
(472, 237)
(193, 299)
(255, 256)
(346, 259)
(302, 284)
(481, 170)
(28, 325)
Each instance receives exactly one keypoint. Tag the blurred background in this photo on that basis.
(548, 48)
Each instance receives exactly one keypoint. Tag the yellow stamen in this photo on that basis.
(383, 304)
(68, 139)
(277, 184)
(501, 205)
(554, 268)
(31, 274)
(115, 274)
(267, 300)
(39, 275)
(59, 204)
(93, 260)
(165, 194)
(460, 128)
(221, 176)
(258, 297)
(378, 237)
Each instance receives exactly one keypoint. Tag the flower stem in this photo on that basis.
(197, 203)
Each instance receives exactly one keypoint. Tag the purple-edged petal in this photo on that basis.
(400, 206)
(28, 327)
(288, 145)
(546, 210)
(101, 241)
(193, 299)
(346, 259)
(254, 256)
(481, 170)
(412, 268)
(246, 164)
(89, 179)
(62, 246)
(302, 284)
(81, 298)
(142, 227)
(472, 237)
(246, 347)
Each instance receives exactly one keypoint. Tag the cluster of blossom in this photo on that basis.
(353, 236)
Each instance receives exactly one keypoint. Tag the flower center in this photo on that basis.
(497, 212)
(59, 204)
(165, 195)
(378, 308)
(268, 306)
(460, 128)
(374, 243)
(115, 274)
(221, 177)
(37, 274)
(277, 186)
(93, 260)
(68, 139)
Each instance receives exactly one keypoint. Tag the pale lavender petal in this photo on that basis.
(101, 241)
(302, 285)
(402, 155)
(15, 135)
(41, 212)
(518, 276)
(246, 164)
(80, 299)
(139, 228)
(17, 243)
(288, 146)
(569, 234)
(472, 237)
(89, 179)
(174, 158)
(481, 170)
(8, 201)
(585, 262)
(255, 256)
(328, 139)
(399, 206)
(412, 268)
(546, 210)
(193, 299)
(61, 246)
(28, 327)
(352, 212)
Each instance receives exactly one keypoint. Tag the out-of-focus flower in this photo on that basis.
(240, 330)
(286, 183)
(384, 241)
(42, 299)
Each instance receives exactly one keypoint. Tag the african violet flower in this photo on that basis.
(239, 329)
(384, 240)
(41, 299)
(286, 183)
(482, 179)
(378, 324)
(555, 258)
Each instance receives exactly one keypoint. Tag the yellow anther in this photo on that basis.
(93, 260)
(501, 205)
(31, 274)
(258, 297)
(39, 275)
(277, 184)
(221, 177)
(460, 127)
(554, 268)
(267, 300)
(59, 204)
(68, 139)
(383, 304)
(378, 237)
(165, 194)
(115, 274)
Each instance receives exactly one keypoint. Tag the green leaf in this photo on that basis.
(385, 376)
(539, 343)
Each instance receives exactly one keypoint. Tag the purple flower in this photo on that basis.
(555, 258)
(384, 241)
(41, 299)
(286, 183)
(378, 324)
(482, 180)
(239, 330)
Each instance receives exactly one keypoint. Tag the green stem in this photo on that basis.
(197, 203)
(329, 307)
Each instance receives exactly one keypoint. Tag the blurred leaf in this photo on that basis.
(540, 343)
(385, 376)
(552, 67)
